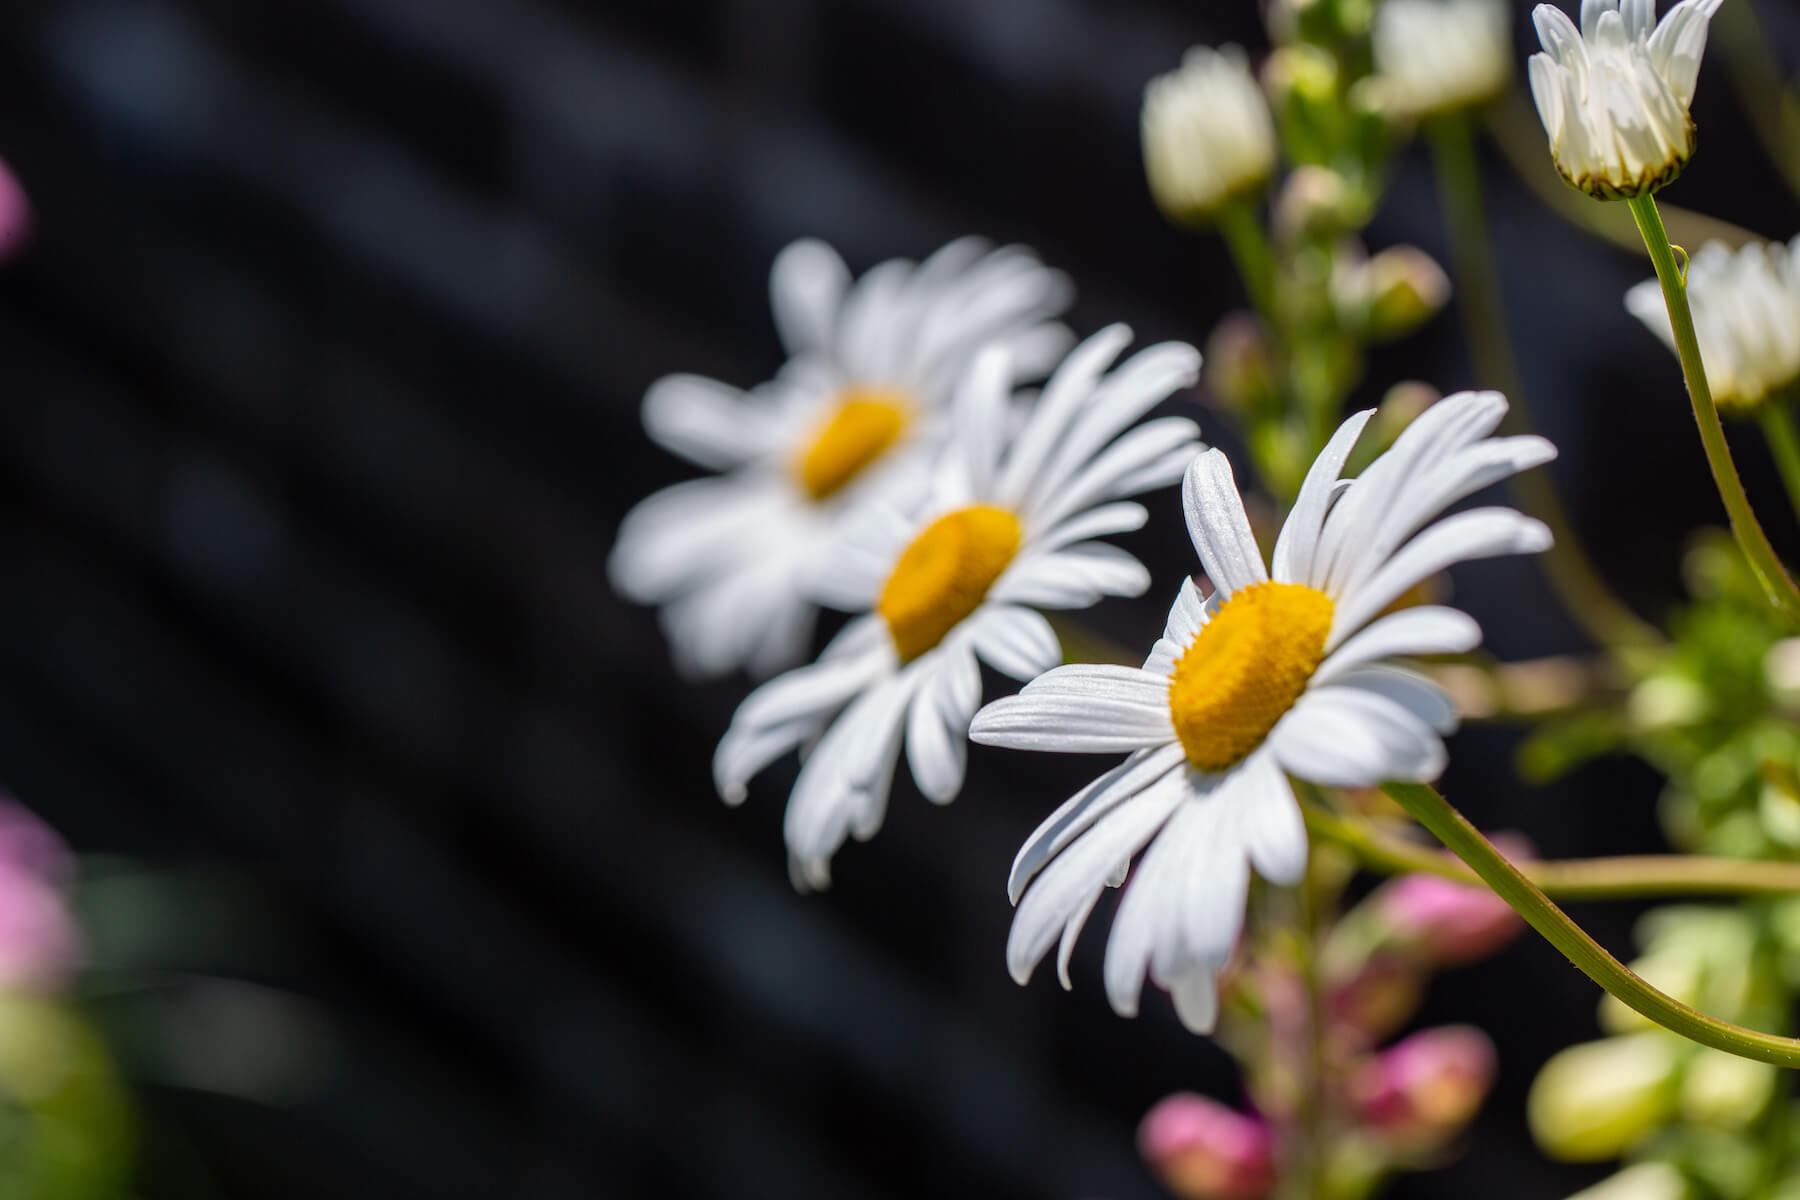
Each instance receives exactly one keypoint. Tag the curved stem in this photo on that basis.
(1625, 877)
(1784, 444)
(1541, 913)
(1571, 572)
(1750, 536)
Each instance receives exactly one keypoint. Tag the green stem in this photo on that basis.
(1240, 223)
(1541, 913)
(1571, 572)
(1784, 444)
(1749, 533)
(1625, 877)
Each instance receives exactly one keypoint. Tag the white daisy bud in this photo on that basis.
(1208, 136)
(1390, 294)
(1614, 95)
(1435, 56)
(1746, 305)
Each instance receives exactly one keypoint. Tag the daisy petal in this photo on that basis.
(1426, 629)
(1196, 996)
(1412, 691)
(1071, 384)
(1268, 817)
(1218, 525)
(1349, 737)
(1292, 560)
(937, 744)
(1079, 812)
(1122, 516)
(806, 286)
(1015, 641)
(709, 423)
(1080, 709)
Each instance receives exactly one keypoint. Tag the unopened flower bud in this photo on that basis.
(1240, 364)
(1781, 671)
(1381, 996)
(39, 941)
(1667, 701)
(1392, 294)
(1450, 923)
(1315, 202)
(1596, 1100)
(1302, 85)
(1421, 1091)
(1203, 1150)
(1642, 1181)
(1208, 137)
(1435, 56)
(1725, 1091)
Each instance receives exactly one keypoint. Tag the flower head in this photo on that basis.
(1422, 1090)
(1614, 95)
(1208, 135)
(1434, 56)
(1203, 1150)
(856, 417)
(1280, 671)
(1007, 529)
(1746, 306)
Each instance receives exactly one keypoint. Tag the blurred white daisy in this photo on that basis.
(1746, 306)
(1007, 530)
(1208, 135)
(1265, 678)
(1434, 56)
(856, 416)
(1614, 95)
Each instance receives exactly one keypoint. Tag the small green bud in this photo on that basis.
(1596, 1100)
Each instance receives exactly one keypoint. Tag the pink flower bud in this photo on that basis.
(15, 214)
(1423, 1089)
(1203, 1150)
(39, 941)
(1450, 923)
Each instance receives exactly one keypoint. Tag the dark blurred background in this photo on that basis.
(319, 400)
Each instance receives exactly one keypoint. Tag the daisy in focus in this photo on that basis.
(857, 416)
(1008, 529)
(1746, 306)
(1280, 671)
(1435, 56)
(1614, 95)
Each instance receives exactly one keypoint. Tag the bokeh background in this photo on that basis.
(318, 410)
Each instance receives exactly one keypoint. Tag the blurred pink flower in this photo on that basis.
(39, 941)
(1451, 923)
(1204, 1150)
(15, 213)
(1423, 1089)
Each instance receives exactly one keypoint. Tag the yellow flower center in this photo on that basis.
(864, 424)
(944, 574)
(1245, 668)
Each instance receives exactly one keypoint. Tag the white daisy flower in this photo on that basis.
(1208, 135)
(1746, 306)
(856, 416)
(1007, 530)
(1265, 678)
(1614, 95)
(1434, 56)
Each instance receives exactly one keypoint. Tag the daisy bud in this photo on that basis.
(15, 214)
(1203, 1150)
(1208, 137)
(1302, 84)
(1436, 56)
(1644, 1181)
(1315, 202)
(1725, 1091)
(1746, 305)
(1240, 364)
(1596, 1100)
(1421, 1091)
(1451, 923)
(1614, 95)
(1390, 295)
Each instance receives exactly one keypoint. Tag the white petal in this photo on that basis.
(1187, 614)
(828, 799)
(806, 285)
(1015, 641)
(1196, 996)
(1079, 812)
(1139, 459)
(707, 422)
(1348, 737)
(981, 412)
(937, 744)
(1292, 560)
(1425, 629)
(1412, 691)
(1080, 709)
(817, 688)
(1072, 383)
(1477, 533)
(1269, 820)
(1073, 577)
(1064, 890)
(1123, 516)
(1218, 525)
(678, 537)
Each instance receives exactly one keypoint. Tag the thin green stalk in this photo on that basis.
(1541, 913)
(1240, 223)
(1625, 877)
(1784, 444)
(1571, 572)
(1750, 536)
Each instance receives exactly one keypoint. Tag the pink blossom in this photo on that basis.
(1204, 1150)
(1423, 1089)
(15, 214)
